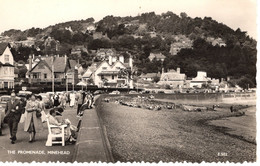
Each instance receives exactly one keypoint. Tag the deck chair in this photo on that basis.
(52, 136)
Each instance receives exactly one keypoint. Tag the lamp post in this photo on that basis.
(52, 68)
(72, 81)
(66, 83)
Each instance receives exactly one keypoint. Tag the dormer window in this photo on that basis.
(6, 58)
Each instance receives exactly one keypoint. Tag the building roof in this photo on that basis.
(3, 47)
(172, 75)
(92, 68)
(58, 63)
(157, 56)
(72, 63)
(108, 73)
(6, 64)
(106, 50)
(150, 75)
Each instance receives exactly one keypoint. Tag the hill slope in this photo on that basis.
(149, 32)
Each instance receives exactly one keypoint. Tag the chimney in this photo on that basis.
(65, 59)
(228, 78)
(178, 70)
(162, 70)
(121, 59)
(131, 62)
(110, 60)
(30, 62)
(30, 68)
(33, 56)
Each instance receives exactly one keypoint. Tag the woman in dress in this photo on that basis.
(63, 100)
(72, 99)
(42, 107)
(70, 130)
(33, 121)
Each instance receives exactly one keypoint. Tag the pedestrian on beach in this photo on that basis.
(33, 121)
(13, 115)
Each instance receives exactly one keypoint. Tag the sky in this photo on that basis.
(25, 14)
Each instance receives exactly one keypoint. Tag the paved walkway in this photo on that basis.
(91, 143)
(9, 152)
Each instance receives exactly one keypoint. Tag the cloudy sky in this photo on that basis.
(24, 14)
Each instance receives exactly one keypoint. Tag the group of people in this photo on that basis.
(72, 98)
(33, 111)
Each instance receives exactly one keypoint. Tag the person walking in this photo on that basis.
(79, 100)
(63, 100)
(13, 114)
(56, 100)
(33, 121)
(72, 99)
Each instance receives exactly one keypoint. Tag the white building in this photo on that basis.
(203, 79)
(107, 73)
(172, 78)
(6, 67)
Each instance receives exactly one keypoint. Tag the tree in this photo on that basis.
(156, 79)
(183, 15)
(22, 72)
(105, 81)
(245, 82)
(126, 41)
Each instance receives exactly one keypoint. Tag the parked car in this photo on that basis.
(2, 112)
(98, 92)
(145, 92)
(160, 91)
(23, 94)
(5, 99)
(115, 93)
(133, 92)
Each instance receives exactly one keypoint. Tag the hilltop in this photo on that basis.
(192, 44)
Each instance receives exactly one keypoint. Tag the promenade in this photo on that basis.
(91, 143)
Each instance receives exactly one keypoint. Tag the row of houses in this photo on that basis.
(176, 79)
(42, 69)
(103, 73)
(110, 71)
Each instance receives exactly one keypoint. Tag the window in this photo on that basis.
(45, 75)
(118, 68)
(6, 58)
(5, 70)
(104, 68)
(5, 84)
(34, 75)
(102, 77)
(113, 77)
